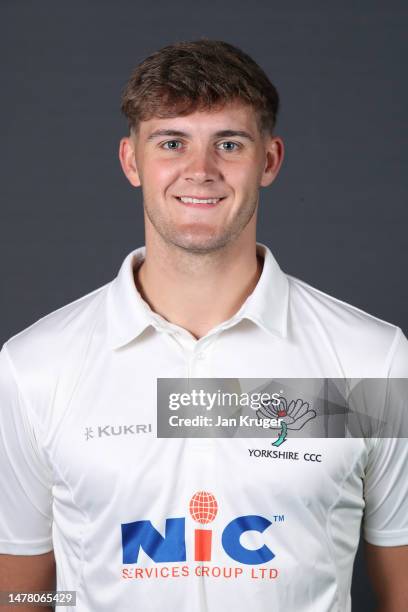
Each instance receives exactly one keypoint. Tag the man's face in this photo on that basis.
(218, 155)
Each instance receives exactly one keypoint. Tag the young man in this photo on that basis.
(87, 484)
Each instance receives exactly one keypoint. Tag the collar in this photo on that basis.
(129, 315)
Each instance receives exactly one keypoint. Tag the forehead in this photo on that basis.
(231, 116)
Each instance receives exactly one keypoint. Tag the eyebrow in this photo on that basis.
(219, 134)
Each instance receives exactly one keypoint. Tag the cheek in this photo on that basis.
(245, 183)
(244, 174)
(160, 176)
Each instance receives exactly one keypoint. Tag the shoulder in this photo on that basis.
(353, 334)
(40, 350)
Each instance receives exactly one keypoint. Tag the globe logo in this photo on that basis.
(203, 507)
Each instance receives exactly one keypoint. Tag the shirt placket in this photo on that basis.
(201, 452)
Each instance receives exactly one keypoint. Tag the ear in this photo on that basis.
(128, 160)
(274, 150)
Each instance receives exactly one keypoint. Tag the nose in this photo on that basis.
(201, 167)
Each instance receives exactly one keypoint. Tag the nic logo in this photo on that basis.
(172, 546)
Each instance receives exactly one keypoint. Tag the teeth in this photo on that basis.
(197, 201)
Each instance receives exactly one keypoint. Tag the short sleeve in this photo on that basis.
(25, 478)
(398, 367)
(386, 493)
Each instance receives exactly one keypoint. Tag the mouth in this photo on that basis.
(200, 202)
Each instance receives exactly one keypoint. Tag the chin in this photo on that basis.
(200, 244)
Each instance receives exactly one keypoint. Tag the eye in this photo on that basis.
(171, 142)
(236, 146)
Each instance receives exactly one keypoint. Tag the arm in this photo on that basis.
(27, 562)
(27, 574)
(388, 569)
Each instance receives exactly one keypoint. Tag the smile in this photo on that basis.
(192, 201)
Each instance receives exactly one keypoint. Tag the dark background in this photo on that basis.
(336, 216)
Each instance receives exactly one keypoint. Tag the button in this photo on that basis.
(200, 356)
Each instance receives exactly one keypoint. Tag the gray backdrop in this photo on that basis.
(336, 216)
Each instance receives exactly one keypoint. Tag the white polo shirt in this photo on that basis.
(141, 523)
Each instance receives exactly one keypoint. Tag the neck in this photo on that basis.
(198, 291)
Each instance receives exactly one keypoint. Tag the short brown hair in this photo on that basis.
(198, 75)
